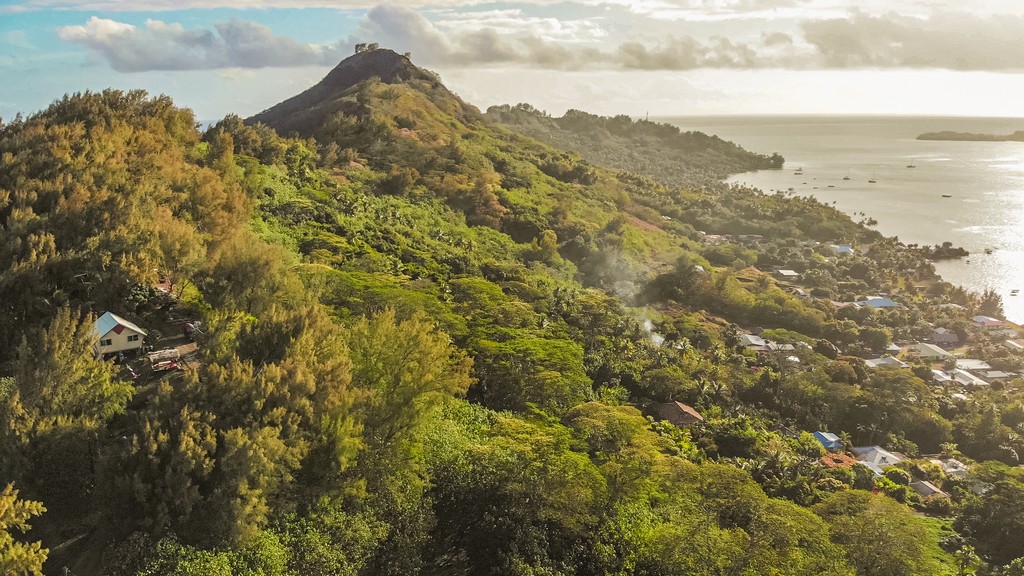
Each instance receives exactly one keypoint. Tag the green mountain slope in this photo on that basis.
(660, 151)
(430, 345)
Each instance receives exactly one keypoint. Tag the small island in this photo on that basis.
(1017, 136)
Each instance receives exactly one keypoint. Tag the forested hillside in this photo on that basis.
(432, 345)
(663, 151)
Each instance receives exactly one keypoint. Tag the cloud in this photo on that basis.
(639, 6)
(513, 37)
(163, 46)
(407, 30)
(947, 40)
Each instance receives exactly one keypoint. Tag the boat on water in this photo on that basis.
(847, 177)
(947, 195)
(1014, 292)
(872, 181)
(911, 166)
(988, 250)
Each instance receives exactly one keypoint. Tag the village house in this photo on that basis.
(927, 351)
(678, 414)
(757, 344)
(967, 379)
(1015, 345)
(878, 302)
(842, 249)
(115, 334)
(988, 322)
(877, 458)
(996, 375)
(944, 337)
(788, 274)
(926, 489)
(972, 365)
(952, 467)
(885, 361)
(830, 441)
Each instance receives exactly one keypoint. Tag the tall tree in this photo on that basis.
(51, 423)
(18, 558)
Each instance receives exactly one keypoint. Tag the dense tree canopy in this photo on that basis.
(431, 345)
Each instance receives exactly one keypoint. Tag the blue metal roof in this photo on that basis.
(828, 439)
(104, 324)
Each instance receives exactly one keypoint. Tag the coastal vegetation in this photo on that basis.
(1017, 136)
(432, 344)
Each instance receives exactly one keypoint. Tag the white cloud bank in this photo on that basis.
(940, 40)
(163, 46)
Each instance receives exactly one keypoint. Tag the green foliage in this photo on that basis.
(353, 288)
(62, 399)
(406, 367)
(532, 371)
(880, 536)
(659, 150)
(994, 521)
(19, 558)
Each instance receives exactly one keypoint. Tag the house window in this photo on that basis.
(107, 342)
(133, 338)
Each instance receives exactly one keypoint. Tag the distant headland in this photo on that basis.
(1017, 136)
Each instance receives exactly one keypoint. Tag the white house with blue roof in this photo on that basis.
(115, 334)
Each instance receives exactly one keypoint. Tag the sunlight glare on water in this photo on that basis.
(926, 192)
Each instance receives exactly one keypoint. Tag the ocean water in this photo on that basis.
(984, 182)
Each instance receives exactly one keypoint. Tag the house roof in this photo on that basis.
(972, 364)
(828, 439)
(112, 322)
(996, 374)
(1014, 344)
(928, 350)
(987, 321)
(842, 249)
(752, 340)
(885, 361)
(940, 376)
(966, 378)
(879, 303)
(954, 467)
(944, 335)
(874, 467)
(788, 273)
(925, 488)
(678, 413)
(877, 455)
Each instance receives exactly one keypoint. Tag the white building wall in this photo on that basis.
(119, 342)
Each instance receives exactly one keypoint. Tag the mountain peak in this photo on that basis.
(388, 65)
(301, 113)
